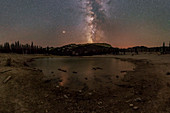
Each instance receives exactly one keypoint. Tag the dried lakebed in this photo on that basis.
(30, 90)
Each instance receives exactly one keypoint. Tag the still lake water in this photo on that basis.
(98, 72)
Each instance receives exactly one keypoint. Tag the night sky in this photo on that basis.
(121, 23)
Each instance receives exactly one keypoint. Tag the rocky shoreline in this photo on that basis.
(28, 91)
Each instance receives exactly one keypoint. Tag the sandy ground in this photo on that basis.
(145, 90)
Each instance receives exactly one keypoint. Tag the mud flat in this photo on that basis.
(146, 89)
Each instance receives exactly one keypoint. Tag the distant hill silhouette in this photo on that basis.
(84, 49)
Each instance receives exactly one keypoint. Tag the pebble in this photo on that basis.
(65, 96)
(94, 91)
(57, 86)
(168, 73)
(115, 96)
(90, 93)
(74, 72)
(46, 96)
(128, 101)
(135, 108)
(131, 105)
(117, 76)
(99, 103)
(138, 99)
(60, 80)
(46, 111)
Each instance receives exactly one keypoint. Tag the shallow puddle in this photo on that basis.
(79, 72)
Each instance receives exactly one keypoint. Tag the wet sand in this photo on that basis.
(145, 90)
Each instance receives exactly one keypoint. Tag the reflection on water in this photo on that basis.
(80, 71)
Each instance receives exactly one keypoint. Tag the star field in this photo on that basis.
(122, 23)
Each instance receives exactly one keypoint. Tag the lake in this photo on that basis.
(77, 72)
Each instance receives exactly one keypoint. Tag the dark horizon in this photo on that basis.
(167, 44)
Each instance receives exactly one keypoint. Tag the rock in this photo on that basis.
(39, 70)
(128, 101)
(138, 99)
(65, 96)
(131, 105)
(117, 76)
(5, 71)
(7, 79)
(94, 91)
(99, 103)
(62, 70)
(135, 108)
(124, 71)
(90, 94)
(25, 64)
(60, 80)
(57, 86)
(46, 111)
(99, 68)
(80, 91)
(114, 95)
(8, 62)
(47, 81)
(74, 72)
(94, 68)
(46, 96)
(168, 73)
(86, 78)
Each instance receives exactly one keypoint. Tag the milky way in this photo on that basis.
(96, 13)
(121, 23)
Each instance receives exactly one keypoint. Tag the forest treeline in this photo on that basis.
(78, 49)
(22, 49)
(67, 50)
